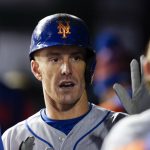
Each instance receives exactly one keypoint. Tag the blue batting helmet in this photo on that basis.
(60, 29)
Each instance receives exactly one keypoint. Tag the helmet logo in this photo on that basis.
(63, 29)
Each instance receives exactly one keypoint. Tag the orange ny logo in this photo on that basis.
(64, 29)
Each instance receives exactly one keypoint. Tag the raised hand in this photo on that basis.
(140, 99)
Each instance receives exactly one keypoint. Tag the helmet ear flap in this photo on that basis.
(89, 74)
(90, 67)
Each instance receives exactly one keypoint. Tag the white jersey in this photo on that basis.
(86, 134)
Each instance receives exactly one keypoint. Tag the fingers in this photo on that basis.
(135, 76)
(124, 97)
(121, 92)
(142, 62)
(30, 140)
(27, 144)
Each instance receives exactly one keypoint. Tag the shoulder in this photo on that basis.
(132, 122)
(114, 116)
(134, 126)
(110, 118)
(20, 128)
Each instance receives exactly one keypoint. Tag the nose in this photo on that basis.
(66, 68)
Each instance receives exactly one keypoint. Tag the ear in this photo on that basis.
(146, 69)
(35, 68)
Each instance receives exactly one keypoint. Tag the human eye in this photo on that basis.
(54, 59)
(77, 58)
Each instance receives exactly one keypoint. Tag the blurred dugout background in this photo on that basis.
(130, 18)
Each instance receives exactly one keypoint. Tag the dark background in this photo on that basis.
(19, 17)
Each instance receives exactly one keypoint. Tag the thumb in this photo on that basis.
(123, 97)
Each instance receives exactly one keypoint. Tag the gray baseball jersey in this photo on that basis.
(128, 132)
(87, 134)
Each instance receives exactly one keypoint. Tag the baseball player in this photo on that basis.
(61, 58)
(134, 130)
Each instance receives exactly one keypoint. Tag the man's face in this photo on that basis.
(62, 72)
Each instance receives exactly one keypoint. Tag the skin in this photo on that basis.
(147, 70)
(56, 67)
(146, 66)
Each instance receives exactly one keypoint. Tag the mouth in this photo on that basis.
(66, 84)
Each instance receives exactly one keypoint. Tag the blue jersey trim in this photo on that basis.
(37, 135)
(64, 126)
(90, 131)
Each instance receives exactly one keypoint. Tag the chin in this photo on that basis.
(69, 99)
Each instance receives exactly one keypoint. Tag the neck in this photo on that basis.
(67, 111)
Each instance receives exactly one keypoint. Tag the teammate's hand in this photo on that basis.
(27, 144)
(140, 99)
